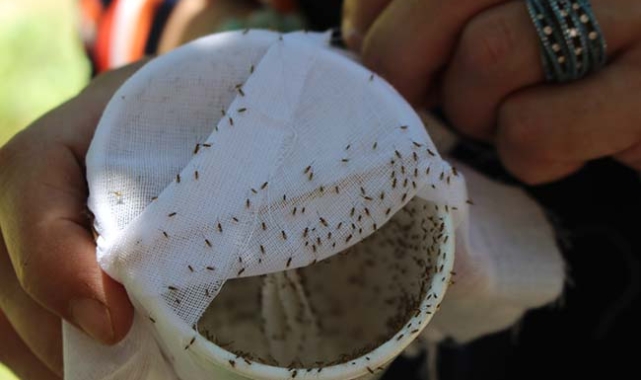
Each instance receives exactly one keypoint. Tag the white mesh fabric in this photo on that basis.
(253, 153)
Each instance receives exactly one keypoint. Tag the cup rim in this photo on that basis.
(211, 353)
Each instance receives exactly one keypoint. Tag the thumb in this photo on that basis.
(44, 220)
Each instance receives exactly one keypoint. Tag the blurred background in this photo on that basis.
(42, 64)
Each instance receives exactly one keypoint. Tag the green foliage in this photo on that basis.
(41, 60)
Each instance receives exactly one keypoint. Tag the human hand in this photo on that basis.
(48, 267)
(480, 60)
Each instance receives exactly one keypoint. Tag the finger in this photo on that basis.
(499, 52)
(17, 356)
(631, 157)
(412, 40)
(33, 332)
(281, 5)
(358, 16)
(547, 132)
(43, 219)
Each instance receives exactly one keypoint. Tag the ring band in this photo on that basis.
(572, 43)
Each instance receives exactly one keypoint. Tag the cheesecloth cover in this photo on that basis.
(275, 210)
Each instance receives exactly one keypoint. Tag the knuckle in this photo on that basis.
(518, 129)
(528, 176)
(487, 43)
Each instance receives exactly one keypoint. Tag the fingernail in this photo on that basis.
(352, 36)
(93, 318)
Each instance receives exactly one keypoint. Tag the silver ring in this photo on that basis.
(572, 43)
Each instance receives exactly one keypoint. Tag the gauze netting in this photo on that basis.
(274, 210)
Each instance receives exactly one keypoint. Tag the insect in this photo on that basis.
(231, 121)
(262, 249)
(177, 178)
(241, 110)
(190, 343)
(284, 234)
(196, 175)
(196, 148)
(263, 186)
(172, 214)
(289, 262)
(208, 243)
(375, 145)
